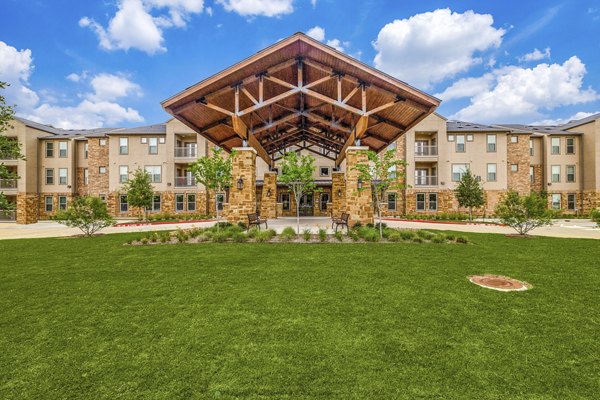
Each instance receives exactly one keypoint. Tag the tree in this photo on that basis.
(9, 148)
(469, 193)
(87, 213)
(214, 172)
(297, 173)
(523, 213)
(140, 192)
(381, 172)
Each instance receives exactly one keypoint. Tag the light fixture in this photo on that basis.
(269, 192)
(339, 192)
(240, 183)
(359, 183)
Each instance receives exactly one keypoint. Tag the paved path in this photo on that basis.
(567, 229)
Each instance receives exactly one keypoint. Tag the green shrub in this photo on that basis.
(265, 236)
(462, 240)
(339, 236)
(417, 239)
(154, 237)
(220, 237)
(242, 225)
(252, 233)
(144, 241)
(450, 237)
(383, 224)
(439, 239)
(595, 215)
(288, 234)
(322, 235)
(394, 236)
(239, 237)
(165, 236)
(182, 236)
(426, 235)
(222, 225)
(371, 235)
(406, 234)
(306, 234)
(352, 234)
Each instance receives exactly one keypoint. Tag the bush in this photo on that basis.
(450, 237)
(439, 239)
(371, 235)
(220, 237)
(462, 240)
(239, 237)
(154, 237)
(407, 235)
(265, 236)
(182, 236)
(523, 213)
(165, 236)
(596, 216)
(144, 241)
(394, 236)
(87, 213)
(339, 236)
(306, 234)
(352, 234)
(252, 233)
(322, 235)
(417, 239)
(426, 235)
(288, 234)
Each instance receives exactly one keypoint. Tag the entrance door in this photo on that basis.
(306, 205)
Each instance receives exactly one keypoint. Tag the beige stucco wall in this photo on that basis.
(562, 160)
(591, 153)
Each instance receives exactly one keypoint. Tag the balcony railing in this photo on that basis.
(186, 152)
(185, 181)
(426, 151)
(426, 180)
(8, 183)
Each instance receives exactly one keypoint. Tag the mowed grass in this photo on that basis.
(93, 319)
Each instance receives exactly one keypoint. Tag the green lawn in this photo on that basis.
(93, 319)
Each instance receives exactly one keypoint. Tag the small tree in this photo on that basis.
(297, 173)
(523, 213)
(140, 192)
(469, 193)
(214, 172)
(382, 173)
(87, 213)
(9, 148)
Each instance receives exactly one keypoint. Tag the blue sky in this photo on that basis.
(110, 63)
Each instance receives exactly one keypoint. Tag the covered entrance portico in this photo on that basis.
(299, 95)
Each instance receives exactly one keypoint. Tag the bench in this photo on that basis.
(255, 219)
(342, 220)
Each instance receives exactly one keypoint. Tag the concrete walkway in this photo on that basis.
(562, 228)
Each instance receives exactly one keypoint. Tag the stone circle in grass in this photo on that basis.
(498, 282)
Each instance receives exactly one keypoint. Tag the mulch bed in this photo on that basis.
(498, 282)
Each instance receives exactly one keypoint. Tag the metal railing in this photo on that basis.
(186, 152)
(426, 180)
(185, 181)
(426, 151)
(8, 183)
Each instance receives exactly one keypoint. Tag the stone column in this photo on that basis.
(358, 204)
(338, 193)
(27, 212)
(518, 153)
(242, 201)
(268, 204)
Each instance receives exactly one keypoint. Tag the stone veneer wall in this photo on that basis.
(518, 153)
(82, 188)
(358, 204)
(27, 208)
(268, 202)
(338, 193)
(538, 174)
(242, 202)
(98, 157)
(591, 201)
(43, 214)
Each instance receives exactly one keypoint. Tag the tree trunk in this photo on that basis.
(470, 213)
(297, 214)
(217, 210)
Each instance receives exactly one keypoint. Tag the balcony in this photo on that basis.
(186, 152)
(8, 184)
(185, 181)
(426, 180)
(426, 151)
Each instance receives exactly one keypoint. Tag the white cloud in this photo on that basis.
(516, 93)
(209, 11)
(318, 33)
(97, 109)
(561, 121)
(135, 27)
(536, 55)
(430, 47)
(255, 8)
(314, 3)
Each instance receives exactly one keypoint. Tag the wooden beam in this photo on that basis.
(327, 99)
(318, 82)
(217, 108)
(241, 129)
(272, 100)
(227, 139)
(249, 95)
(351, 94)
(279, 82)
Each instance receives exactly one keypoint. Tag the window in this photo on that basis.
(123, 173)
(155, 204)
(86, 149)
(102, 142)
(49, 176)
(531, 175)
(162, 140)
(556, 201)
(102, 170)
(123, 145)
(392, 172)
(86, 176)
(392, 146)
(460, 143)
(555, 145)
(62, 176)
(49, 149)
(570, 145)
(555, 173)
(48, 204)
(123, 205)
(62, 202)
(570, 173)
(285, 201)
(62, 149)
(324, 171)
(491, 172)
(154, 171)
(324, 201)
(470, 138)
(458, 170)
(571, 201)
(433, 201)
(191, 202)
(152, 145)
(144, 140)
(530, 147)
(102, 197)
(514, 139)
(179, 202)
(391, 201)
(514, 167)
(491, 143)
(420, 201)
(220, 201)
(451, 138)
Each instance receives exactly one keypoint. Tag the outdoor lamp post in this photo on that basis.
(269, 192)
(339, 192)
(359, 184)
(240, 183)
